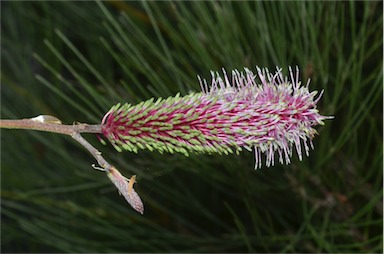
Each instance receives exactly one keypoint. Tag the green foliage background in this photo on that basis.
(74, 60)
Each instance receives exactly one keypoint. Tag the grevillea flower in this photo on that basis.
(267, 112)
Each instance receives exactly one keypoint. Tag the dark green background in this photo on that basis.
(74, 60)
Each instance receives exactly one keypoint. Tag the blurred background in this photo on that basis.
(75, 60)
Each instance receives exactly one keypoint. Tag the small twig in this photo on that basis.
(41, 125)
(95, 153)
(52, 124)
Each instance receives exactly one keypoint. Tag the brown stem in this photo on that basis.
(30, 124)
(41, 124)
(52, 124)
(95, 153)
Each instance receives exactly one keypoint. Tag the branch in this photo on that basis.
(95, 153)
(52, 124)
(41, 124)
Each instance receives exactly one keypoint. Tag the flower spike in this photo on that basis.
(265, 111)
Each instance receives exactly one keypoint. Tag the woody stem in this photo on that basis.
(70, 130)
(29, 124)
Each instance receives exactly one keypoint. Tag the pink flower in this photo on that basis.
(271, 116)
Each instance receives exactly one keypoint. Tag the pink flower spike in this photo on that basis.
(265, 111)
